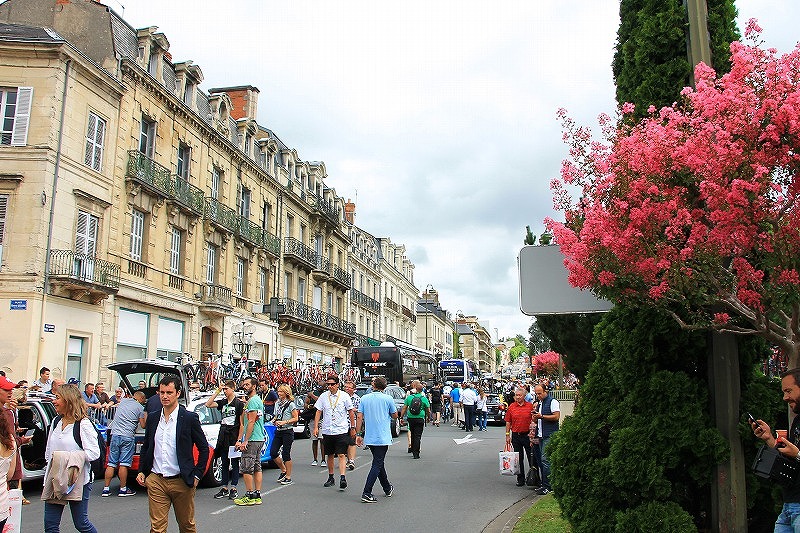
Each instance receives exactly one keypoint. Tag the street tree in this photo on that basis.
(694, 209)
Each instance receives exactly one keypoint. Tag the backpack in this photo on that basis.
(97, 464)
(416, 405)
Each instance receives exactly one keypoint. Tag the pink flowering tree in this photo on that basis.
(546, 363)
(695, 208)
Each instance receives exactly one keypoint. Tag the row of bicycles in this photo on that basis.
(209, 373)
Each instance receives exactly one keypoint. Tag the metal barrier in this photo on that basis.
(564, 395)
(102, 417)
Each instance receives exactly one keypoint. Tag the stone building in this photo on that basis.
(178, 217)
(399, 293)
(434, 325)
(365, 294)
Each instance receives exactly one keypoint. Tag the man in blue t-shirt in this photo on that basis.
(376, 410)
(455, 400)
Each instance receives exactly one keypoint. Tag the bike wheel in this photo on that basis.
(189, 371)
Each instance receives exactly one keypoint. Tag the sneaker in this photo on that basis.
(314, 462)
(329, 483)
(287, 481)
(244, 500)
(106, 492)
(368, 498)
(233, 493)
(391, 491)
(255, 499)
(542, 491)
(280, 477)
(323, 464)
(351, 465)
(342, 483)
(223, 493)
(126, 492)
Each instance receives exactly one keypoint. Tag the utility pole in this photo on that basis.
(728, 493)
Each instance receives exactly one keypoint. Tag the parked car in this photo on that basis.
(151, 371)
(496, 408)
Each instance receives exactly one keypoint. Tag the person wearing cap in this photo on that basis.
(9, 418)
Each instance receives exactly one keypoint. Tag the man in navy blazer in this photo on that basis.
(166, 464)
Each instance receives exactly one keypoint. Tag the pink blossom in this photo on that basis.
(721, 318)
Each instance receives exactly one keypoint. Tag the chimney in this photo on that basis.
(244, 99)
(349, 211)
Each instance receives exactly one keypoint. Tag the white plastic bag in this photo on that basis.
(509, 462)
(14, 522)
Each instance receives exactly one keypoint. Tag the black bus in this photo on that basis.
(396, 364)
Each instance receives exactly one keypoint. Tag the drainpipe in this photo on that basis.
(46, 277)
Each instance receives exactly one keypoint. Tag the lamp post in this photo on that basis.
(242, 339)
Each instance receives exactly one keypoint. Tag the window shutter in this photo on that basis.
(80, 232)
(91, 130)
(19, 137)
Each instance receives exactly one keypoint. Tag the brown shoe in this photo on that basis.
(25, 501)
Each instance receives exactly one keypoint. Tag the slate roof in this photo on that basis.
(20, 32)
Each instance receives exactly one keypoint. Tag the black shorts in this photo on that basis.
(336, 444)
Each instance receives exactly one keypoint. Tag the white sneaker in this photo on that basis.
(314, 462)
(323, 463)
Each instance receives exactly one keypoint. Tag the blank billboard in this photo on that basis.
(544, 288)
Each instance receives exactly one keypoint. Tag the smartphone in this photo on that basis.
(751, 419)
(30, 432)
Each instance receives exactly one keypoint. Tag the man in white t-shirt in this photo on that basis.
(338, 427)
(547, 418)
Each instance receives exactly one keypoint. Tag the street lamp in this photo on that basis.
(427, 312)
(242, 340)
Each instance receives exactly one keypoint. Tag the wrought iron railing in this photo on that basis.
(341, 275)
(323, 264)
(408, 313)
(394, 306)
(297, 248)
(326, 208)
(186, 194)
(82, 267)
(216, 295)
(221, 214)
(248, 230)
(270, 242)
(310, 314)
(146, 171)
(362, 299)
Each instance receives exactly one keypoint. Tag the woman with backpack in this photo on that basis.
(61, 443)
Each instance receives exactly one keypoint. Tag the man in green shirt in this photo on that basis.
(250, 441)
(418, 408)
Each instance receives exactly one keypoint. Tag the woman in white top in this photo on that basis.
(72, 409)
(481, 409)
(8, 457)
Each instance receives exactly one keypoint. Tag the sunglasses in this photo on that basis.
(330, 384)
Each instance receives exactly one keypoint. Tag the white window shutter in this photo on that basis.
(3, 211)
(19, 137)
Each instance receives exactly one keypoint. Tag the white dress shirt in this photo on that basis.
(165, 450)
(335, 412)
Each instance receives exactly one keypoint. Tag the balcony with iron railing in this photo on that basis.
(79, 275)
(341, 277)
(408, 313)
(362, 299)
(391, 304)
(325, 208)
(221, 215)
(158, 180)
(299, 253)
(316, 317)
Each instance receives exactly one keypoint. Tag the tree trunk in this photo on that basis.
(728, 494)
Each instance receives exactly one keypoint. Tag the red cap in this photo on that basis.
(6, 384)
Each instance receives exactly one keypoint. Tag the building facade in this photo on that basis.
(399, 293)
(178, 217)
(434, 325)
(365, 294)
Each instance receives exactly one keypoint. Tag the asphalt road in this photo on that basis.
(452, 487)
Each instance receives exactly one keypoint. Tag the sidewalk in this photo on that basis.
(505, 521)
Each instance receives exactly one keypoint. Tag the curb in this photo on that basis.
(505, 521)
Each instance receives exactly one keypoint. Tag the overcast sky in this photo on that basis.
(437, 118)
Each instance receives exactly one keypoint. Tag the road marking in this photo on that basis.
(467, 440)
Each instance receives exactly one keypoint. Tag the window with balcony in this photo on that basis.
(303, 233)
(184, 157)
(301, 290)
(85, 245)
(211, 264)
(147, 137)
(216, 181)
(262, 285)
(289, 225)
(176, 251)
(287, 282)
(266, 214)
(95, 136)
(241, 277)
(15, 111)
(244, 203)
(137, 234)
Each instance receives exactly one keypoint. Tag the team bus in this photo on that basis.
(457, 370)
(397, 364)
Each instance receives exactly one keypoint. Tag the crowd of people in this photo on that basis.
(339, 421)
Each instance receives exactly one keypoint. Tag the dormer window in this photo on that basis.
(188, 93)
(153, 63)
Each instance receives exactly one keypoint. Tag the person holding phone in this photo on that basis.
(789, 519)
